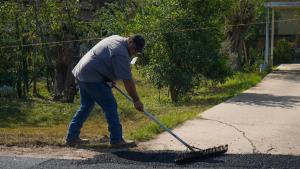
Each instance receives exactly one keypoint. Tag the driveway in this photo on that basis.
(264, 119)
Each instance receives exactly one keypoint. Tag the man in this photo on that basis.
(109, 60)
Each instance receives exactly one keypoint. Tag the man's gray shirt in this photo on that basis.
(109, 58)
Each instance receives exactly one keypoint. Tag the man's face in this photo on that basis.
(131, 47)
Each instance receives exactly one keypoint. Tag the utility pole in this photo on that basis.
(267, 37)
(272, 38)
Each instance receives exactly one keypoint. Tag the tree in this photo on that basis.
(183, 39)
(241, 32)
(179, 53)
(72, 23)
(32, 30)
(15, 68)
(182, 51)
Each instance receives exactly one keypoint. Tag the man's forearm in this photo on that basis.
(131, 89)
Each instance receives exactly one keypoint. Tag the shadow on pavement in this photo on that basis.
(266, 100)
(290, 75)
(271, 100)
(160, 156)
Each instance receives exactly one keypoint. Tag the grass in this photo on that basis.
(38, 121)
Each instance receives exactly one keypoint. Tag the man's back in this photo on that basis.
(107, 59)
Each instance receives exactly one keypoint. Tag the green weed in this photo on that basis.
(38, 121)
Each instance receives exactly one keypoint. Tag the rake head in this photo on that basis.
(201, 154)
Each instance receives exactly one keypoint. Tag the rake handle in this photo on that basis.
(155, 120)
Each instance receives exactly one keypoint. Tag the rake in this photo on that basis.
(195, 153)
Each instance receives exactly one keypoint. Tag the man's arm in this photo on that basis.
(131, 90)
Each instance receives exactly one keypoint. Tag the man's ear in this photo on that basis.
(130, 42)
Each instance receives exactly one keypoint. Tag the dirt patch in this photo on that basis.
(48, 152)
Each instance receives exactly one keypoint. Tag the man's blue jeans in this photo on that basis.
(91, 92)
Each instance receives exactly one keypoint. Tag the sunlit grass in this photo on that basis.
(38, 121)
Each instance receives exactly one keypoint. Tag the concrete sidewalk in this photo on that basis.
(264, 119)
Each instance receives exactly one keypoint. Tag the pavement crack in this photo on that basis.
(254, 149)
(270, 149)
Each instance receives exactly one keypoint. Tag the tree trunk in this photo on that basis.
(243, 15)
(48, 60)
(34, 88)
(63, 86)
(25, 69)
(70, 85)
(59, 79)
(19, 66)
(174, 93)
(65, 89)
(67, 55)
(34, 72)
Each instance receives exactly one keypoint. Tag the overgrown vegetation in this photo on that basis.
(198, 54)
(41, 39)
(243, 36)
(39, 122)
(284, 52)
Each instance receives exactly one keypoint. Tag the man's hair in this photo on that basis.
(139, 42)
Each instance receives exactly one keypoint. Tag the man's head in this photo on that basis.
(136, 44)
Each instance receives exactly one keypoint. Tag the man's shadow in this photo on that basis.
(159, 156)
(128, 155)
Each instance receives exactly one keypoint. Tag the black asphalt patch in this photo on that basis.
(164, 159)
(158, 159)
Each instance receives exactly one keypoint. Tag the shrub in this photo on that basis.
(7, 91)
(284, 52)
(256, 57)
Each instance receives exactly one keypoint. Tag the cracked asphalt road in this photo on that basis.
(261, 127)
